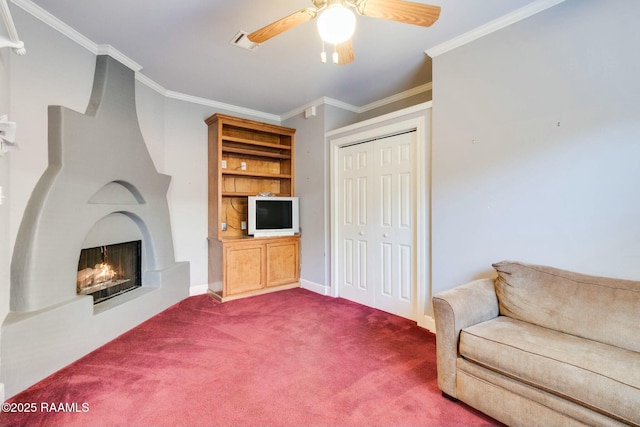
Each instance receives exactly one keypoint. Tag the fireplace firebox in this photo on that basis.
(107, 271)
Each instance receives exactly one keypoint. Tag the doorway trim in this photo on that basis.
(413, 118)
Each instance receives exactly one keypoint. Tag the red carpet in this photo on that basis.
(291, 358)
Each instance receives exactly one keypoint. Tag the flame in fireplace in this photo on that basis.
(101, 273)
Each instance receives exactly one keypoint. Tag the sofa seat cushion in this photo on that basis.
(596, 375)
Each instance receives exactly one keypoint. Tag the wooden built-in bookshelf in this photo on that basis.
(242, 264)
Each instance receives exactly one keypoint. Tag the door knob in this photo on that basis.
(361, 233)
(385, 235)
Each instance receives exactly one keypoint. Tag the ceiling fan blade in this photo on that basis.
(345, 52)
(282, 25)
(400, 10)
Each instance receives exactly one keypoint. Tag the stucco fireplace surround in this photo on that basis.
(100, 188)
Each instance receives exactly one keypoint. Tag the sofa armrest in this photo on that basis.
(455, 309)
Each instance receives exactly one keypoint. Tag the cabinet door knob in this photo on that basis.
(385, 235)
(361, 233)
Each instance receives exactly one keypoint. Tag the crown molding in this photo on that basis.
(359, 110)
(64, 29)
(320, 101)
(106, 49)
(229, 107)
(340, 104)
(397, 97)
(493, 26)
(38, 12)
(151, 84)
(389, 116)
(300, 110)
(55, 23)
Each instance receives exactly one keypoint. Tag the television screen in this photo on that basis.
(274, 214)
(269, 216)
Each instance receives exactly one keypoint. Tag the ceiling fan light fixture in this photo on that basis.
(336, 24)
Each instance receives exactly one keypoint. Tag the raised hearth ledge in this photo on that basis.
(46, 340)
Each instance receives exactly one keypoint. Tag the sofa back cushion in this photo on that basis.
(598, 308)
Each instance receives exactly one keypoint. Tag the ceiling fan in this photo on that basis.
(336, 22)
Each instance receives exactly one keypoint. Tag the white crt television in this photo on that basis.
(273, 216)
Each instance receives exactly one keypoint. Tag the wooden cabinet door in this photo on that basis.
(244, 267)
(283, 263)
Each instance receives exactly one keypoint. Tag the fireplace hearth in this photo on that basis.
(108, 271)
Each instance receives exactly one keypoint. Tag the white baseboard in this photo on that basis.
(429, 323)
(426, 322)
(314, 287)
(198, 290)
(306, 284)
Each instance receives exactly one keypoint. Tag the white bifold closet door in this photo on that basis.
(376, 223)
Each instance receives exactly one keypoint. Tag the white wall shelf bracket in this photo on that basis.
(13, 41)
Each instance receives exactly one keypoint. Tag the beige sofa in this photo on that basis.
(540, 346)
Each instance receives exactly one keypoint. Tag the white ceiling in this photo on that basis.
(183, 45)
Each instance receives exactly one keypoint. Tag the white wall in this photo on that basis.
(536, 141)
(55, 71)
(186, 161)
(310, 163)
(150, 107)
